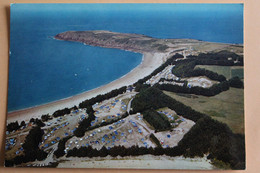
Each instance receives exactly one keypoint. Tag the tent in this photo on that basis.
(116, 133)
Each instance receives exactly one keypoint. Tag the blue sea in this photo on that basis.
(43, 69)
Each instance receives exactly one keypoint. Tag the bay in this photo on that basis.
(43, 69)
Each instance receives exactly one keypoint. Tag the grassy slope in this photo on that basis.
(226, 71)
(227, 107)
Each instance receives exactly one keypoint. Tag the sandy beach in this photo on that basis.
(139, 162)
(149, 63)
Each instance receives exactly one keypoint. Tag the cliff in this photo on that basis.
(141, 43)
(131, 42)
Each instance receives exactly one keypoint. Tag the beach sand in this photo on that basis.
(149, 63)
(139, 162)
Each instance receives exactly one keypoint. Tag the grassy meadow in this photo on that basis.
(226, 107)
(226, 71)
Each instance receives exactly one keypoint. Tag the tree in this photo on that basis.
(39, 123)
(45, 118)
(31, 149)
(23, 124)
(85, 124)
(61, 112)
(12, 126)
(33, 139)
(90, 110)
(158, 121)
(155, 140)
(236, 82)
(61, 147)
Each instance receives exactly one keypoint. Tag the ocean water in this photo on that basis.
(43, 69)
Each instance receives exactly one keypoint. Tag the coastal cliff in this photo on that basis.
(125, 41)
(142, 44)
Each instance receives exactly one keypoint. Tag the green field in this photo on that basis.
(227, 71)
(226, 107)
(236, 71)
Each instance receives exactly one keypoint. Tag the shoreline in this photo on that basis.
(140, 162)
(23, 109)
(150, 61)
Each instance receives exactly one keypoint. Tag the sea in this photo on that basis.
(42, 69)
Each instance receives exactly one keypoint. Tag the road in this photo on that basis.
(129, 105)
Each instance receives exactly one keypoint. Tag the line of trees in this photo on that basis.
(203, 72)
(100, 98)
(155, 140)
(37, 121)
(31, 149)
(86, 123)
(61, 112)
(58, 113)
(236, 82)
(219, 58)
(61, 147)
(140, 86)
(158, 121)
(108, 122)
(122, 151)
(13, 126)
(46, 117)
(212, 91)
